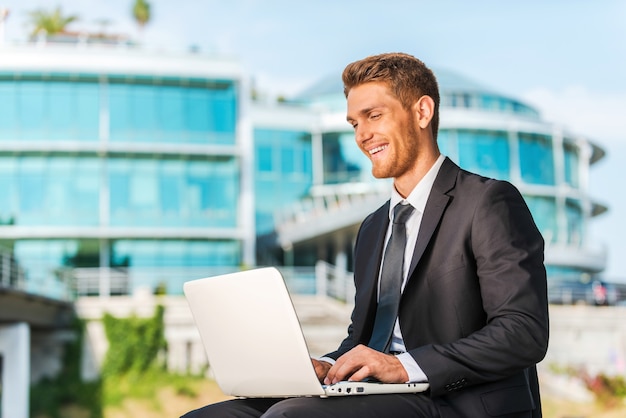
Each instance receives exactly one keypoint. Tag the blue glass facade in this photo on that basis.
(156, 172)
(283, 172)
(87, 160)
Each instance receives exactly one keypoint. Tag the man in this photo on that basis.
(472, 319)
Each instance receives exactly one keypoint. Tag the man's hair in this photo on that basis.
(408, 79)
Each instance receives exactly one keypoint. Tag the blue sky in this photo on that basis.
(565, 57)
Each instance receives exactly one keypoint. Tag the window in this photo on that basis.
(343, 161)
(536, 159)
(37, 109)
(575, 222)
(175, 253)
(484, 152)
(283, 157)
(173, 192)
(149, 110)
(570, 153)
(59, 190)
(544, 211)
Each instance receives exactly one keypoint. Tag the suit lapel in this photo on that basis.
(435, 206)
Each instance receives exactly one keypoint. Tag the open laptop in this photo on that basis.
(254, 342)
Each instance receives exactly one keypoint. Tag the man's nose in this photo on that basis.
(362, 133)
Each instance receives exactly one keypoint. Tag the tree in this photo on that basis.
(141, 12)
(49, 23)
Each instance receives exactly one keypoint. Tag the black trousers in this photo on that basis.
(372, 406)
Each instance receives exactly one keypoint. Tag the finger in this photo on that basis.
(342, 370)
(360, 374)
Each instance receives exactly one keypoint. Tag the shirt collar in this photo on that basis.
(419, 195)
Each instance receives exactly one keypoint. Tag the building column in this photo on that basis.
(15, 370)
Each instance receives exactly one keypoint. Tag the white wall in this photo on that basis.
(15, 352)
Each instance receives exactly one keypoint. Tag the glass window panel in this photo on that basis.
(61, 110)
(224, 110)
(287, 160)
(343, 161)
(484, 152)
(31, 110)
(31, 186)
(49, 110)
(144, 112)
(87, 112)
(172, 253)
(197, 112)
(544, 211)
(271, 145)
(120, 116)
(571, 165)
(9, 207)
(575, 222)
(171, 112)
(175, 192)
(536, 159)
(8, 110)
(446, 140)
(264, 158)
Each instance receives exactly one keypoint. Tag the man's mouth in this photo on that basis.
(377, 149)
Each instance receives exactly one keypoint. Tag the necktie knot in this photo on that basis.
(401, 213)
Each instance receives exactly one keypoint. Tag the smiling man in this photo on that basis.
(449, 274)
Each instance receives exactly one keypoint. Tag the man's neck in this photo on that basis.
(404, 185)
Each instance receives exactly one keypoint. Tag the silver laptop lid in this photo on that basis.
(251, 334)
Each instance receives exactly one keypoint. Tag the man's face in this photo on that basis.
(384, 131)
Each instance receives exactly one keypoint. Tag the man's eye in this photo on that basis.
(375, 116)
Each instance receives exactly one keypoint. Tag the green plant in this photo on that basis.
(134, 344)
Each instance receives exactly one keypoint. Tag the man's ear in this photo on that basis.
(424, 110)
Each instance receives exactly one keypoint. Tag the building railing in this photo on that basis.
(337, 199)
(334, 282)
(321, 280)
(11, 274)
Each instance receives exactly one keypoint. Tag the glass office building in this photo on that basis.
(121, 169)
(122, 161)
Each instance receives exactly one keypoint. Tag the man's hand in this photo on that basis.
(362, 362)
(321, 368)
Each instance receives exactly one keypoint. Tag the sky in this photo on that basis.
(567, 58)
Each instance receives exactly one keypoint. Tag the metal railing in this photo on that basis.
(11, 274)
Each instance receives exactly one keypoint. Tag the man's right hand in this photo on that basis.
(321, 368)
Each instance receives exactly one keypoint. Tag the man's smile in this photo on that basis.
(377, 149)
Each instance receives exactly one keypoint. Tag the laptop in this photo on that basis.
(254, 342)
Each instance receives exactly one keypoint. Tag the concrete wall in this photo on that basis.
(14, 350)
(581, 336)
(587, 337)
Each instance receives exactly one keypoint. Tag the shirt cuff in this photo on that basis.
(415, 372)
(327, 360)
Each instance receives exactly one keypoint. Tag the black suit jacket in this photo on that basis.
(474, 312)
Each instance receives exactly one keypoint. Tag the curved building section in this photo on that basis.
(491, 134)
(124, 161)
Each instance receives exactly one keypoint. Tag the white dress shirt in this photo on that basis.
(417, 198)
